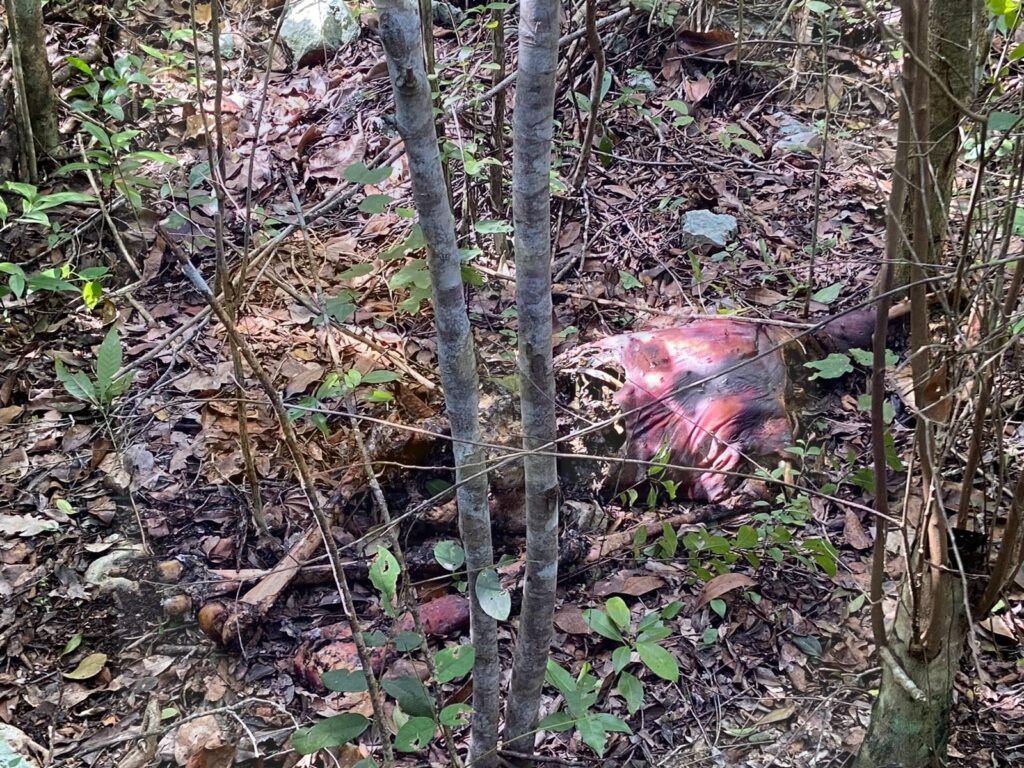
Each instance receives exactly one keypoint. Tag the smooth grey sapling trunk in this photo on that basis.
(400, 33)
(533, 124)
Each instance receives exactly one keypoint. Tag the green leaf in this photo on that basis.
(559, 678)
(375, 203)
(344, 680)
(88, 667)
(80, 65)
(834, 366)
(593, 733)
(375, 639)
(746, 537)
(357, 270)
(98, 133)
(448, 553)
(495, 601)
(384, 574)
(557, 722)
(358, 173)
(654, 634)
(113, 109)
(808, 644)
(999, 122)
(92, 294)
(46, 202)
(94, 273)
(332, 732)
(339, 308)
(718, 606)
(73, 642)
(828, 294)
(27, 191)
(408, 641)
(628, 281)
(16, 279)
(455, 715)
(750, 146)
(380, 377)
(618, 611)
(410, 694)
(455, 662)
(621, 657)
(599, 621)
(632, 690)
(489, 227)
(108, 361)
(77, 384)
(864, 404)
(153, 157)
(416, 734)
(659, 661)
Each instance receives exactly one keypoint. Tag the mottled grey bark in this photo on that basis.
(531, 209)
(955, 37)
(29, 45)
(910, 718)
(400, 33)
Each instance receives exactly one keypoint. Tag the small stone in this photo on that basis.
(176, 608)
(169, 571)
(796, 137)
(640, 79)
(446, 15)
(314, 30)
(702, 228)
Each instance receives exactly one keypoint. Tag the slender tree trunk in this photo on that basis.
(29, 45)
(910, 718)
(921, 651)
(400, 33)
(533, 124)
(955, 32)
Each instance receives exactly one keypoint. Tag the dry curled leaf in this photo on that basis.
(723, 584)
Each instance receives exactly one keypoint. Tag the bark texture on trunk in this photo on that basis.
(400, 33)
(29, 45)
(955, 29)
(911, 729)
(533, 124)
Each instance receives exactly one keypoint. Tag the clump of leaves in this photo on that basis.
(580, 694)
(336, 385)
(643, 640)
(87, 283)
(101, 389)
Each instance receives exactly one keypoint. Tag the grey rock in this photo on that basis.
(98, 574)
(640, 80)
(706, 228)
(314, 30)
(796, 137)
(446, 15)
(17, 750)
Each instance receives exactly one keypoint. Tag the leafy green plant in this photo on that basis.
(416, 714)
(657, 483)
(87, 283)
(101, 389)
(103, 98)
(580, 694)
(451, 556)
(643, 640)
(336, 385)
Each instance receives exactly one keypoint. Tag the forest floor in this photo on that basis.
(776, 659)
